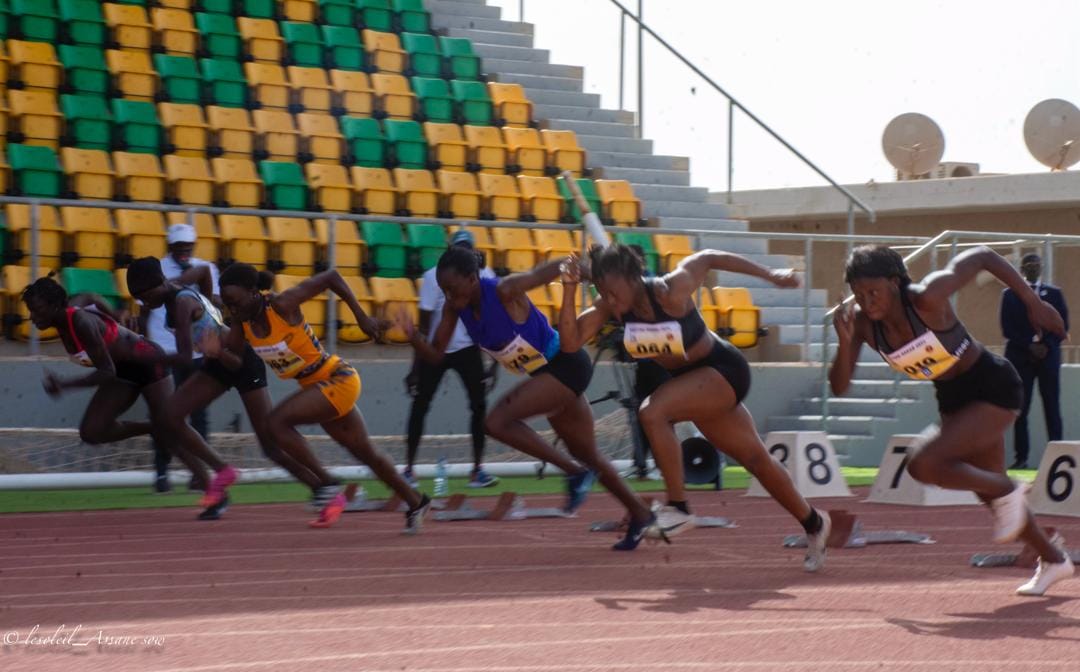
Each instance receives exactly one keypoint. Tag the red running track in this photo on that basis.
(261, 591)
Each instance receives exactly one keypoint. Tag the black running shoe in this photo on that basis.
(214, 511)
(162, 485)
(414, 518)
(635, 532)
(577, 489)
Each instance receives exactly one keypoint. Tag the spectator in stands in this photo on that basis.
(1034, 355)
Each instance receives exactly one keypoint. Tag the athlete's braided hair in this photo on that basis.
(48, 290)
(144, 274)
(616, 259)
(876, 261)
(247, 277)
(459, 259)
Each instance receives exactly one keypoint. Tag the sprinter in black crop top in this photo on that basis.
(915, 330)
(707, 376)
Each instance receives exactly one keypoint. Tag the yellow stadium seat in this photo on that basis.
(176, 4)
(50, 235)
(275, 136)
(517, 248)
(706, 303)
(349, 331)
(15, 279)
(231, 133)
(5, 113)
(139, 177)
(563, 151)
(175, 31)
(207, 238)
(185, 128)
(619, 203)
(352, 93)
(141, 233)
(393, 96)
(133, 74)
(392, 295)
(556, 291)
(503, 199)
(89, 173)
(91, 237)
(298, 10)
(419, 195)
(384, 51)
(262, 40)
(310, 90)
(34, 64)
(35, 117)
(330, 185)
(189, 180)
(128, 26)
(313, 310)
(244, 239)
(512, 107)
(447, 146)
(238, 183)
(461, 197)
(487, 151)
(527, 153)
(541, 198)
(482, 242)
(292, 245)
(554, 244)
(738, 318)
(321, 140)
(672, 249)
(374, 191)
(5, 173)
(541, 298)
(267, 85)
(349, 246)
(5, 67)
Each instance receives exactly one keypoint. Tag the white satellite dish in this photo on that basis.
(913, 144)
(1052, 133)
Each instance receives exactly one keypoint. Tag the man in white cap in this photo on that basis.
(181, 240)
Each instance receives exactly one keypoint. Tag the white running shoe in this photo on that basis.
(669, 522)
(1010, 514)
(1048, 573)
(815, 545)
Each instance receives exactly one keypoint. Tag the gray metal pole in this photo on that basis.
(622, 58)
(808, 265)
(35, 228)
(521, 11)
(850, 226)
(1048, 262)
(331, 304)
(641, 68)
(730, 149)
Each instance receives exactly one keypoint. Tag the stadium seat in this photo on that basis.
(512, 107)
(82, 23)
(344, 51)
(261, 39)
(214, 6)
(706, 303)
(276, 138)
(419, 195)
(501, 193)
(89, 173)
(292, 247)
(133, 74)
(336, 13)
(394, 98)
(365, 142)
(34, 66)
(85, 70)
(188, 180)
(738, 318)
(331, 190)
(303, 44)
(314, 309)
(672, 249)
(483, 243)
(412, 17)
(298, 10)
(390, 296)
(310, 90)
(387, 254)
(352, 93)
(588, 190)
(348, 330)
(99, 282)
(518, 252)
(207, 241)
(17, 221)
(238, 184)
(427, 242)
(474, 103)
(487, 151)
(541, 298)
(435, 102)
(185, 129)
(35, 171)
(425, 59)
(136, 126)
(461, 196)
(463, 61)
(374, 191)
(408, 146)
(259, 9)
(16, 316)
(541, 199)
(526, 152)
(645, 242)
(620, 206)
(555, 289)
(349, 247)
(139, 177)
(87, 122)
(554, 244)
(320, 139)
(174, 31)
(284, 184)
(447, 146)
(91, 236)
(220, 37)
(179, 79)
(563, 152)
(141, 233)
(244, 240)
(375, 15)
(128, 26)
(35, 20)
(224, 81)
(232, 134)
(384, 51)
(268, 88)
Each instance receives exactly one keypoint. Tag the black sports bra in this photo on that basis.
(930, 354)
(664, 334)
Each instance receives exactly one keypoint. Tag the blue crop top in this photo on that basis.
(521, 348)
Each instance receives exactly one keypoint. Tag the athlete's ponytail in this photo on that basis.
(617, 259)
(246, 277)
(876, 261)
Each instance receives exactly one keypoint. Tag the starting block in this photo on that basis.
(699, 521)
(810, 459)
(894, 485)
(1027, 557)
(847, 532)
(359, 503)
(508, 506)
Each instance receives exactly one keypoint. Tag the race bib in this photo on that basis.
(924, 358)
(519, 356)
(281, 359)
(643, 340)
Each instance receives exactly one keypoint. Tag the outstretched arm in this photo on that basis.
(435, 351)
(515, 285)
(93, 343)
(289, 301)
(201, 276)
(576, 330)
(693, 271)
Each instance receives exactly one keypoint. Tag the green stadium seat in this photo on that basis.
(37, 20)
(425, 59)
(427, 243)
(463, 61)
(304, 44)
(387, 252)
(217, 6)
(474, 102)
(88, 123)
(5, 24)
(85, 70)
(375, 15)
(645, 241)
(256, 9)
(180, 80)
(337, 12)
(137, 127)
(436, 103)
(140, 3)
(285, 186)
(224, 83)
(343, 48)
(82, 23)
(407, 143)
(36, 171)
(365, 140)
(411, 16)
(588, 190)
(91, 281)
(220, 36)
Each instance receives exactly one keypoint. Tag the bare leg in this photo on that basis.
(99, 422)
(542, 395)
(303, 466)
(949, 460)
(350, 432)
(196, 392)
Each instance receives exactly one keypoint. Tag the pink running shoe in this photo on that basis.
(221, 481)
(331, 512)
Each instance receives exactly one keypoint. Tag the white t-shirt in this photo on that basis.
(156, 330)
(433, 299)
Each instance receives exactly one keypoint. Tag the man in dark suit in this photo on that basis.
(1033, 355)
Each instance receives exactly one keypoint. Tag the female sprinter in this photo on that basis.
(276, 330)
(122, 372)
(707, 377)
(189, 314)
(502, 320)
(914, 329)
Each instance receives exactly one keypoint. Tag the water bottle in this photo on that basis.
(442, 483)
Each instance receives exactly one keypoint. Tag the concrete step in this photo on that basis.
(494, 37)
(496, 65)
(791, 334)
(564, 98)
(554, 115)
(470, 23)
(720, 225)
(679, 178)
(791, 298)
(597, 128)
(539, 81)
(651, 161)
(889, 389)
(456, 8)
(602, 143)
(790, 315)
(508, 53)
(876, 407)
(851, 425)
(659, 192)
(683, 209)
